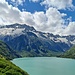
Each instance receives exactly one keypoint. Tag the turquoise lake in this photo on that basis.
(46, 65)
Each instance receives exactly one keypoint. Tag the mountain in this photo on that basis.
(7, 52)
(30, 42)
(70, 53)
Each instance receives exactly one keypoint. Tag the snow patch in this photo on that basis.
(73, 42)
(11, 31)
(63, 40)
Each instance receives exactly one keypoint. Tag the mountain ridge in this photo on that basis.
(22, 37)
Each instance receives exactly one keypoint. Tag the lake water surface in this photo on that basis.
(46, 65)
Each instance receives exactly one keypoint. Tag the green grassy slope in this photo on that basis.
(8, 68)
(70, 53)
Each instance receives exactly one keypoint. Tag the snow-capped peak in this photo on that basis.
(15, 29)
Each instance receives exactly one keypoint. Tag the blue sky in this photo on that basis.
(29, 6)
(53, 16)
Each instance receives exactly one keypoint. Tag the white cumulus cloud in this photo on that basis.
(51, 21)
(70, 29)
(34, 0)
(9, 14)
(17, 2)
(59, 4)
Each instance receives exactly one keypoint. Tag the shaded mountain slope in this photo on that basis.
(7, 52)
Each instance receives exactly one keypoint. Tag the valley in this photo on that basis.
(37, 37)
(18, 41)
